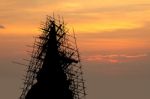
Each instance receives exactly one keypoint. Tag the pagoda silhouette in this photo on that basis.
(54, 71)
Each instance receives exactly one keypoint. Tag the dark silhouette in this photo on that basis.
(54, 70)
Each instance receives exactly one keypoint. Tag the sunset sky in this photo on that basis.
(113, 38)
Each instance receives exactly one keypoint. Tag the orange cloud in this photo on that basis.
(114, 58)
(2, 27)
(84, 16)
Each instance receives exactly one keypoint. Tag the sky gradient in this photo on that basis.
(113, 38)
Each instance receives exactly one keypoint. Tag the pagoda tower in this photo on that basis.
(54, 71)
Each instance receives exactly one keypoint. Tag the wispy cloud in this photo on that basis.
(2, 27)
(133, 33)
(121, 8)
(114, 58)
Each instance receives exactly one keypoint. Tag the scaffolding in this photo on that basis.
(55, 46)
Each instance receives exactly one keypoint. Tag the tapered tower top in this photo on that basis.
(54, 69)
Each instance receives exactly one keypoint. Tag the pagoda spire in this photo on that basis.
(54, 70)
